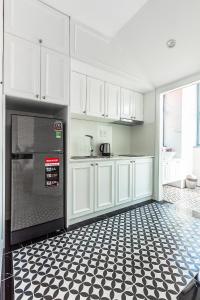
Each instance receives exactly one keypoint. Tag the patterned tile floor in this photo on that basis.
(187, 201)
(150, 252)
(174, 194)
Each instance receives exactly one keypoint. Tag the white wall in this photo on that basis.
(143, 137)
(117, 135)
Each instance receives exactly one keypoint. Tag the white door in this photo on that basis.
(127, 108)
(95, 97)
(78, 93)
(104, 184)
(22, 68)
(124, 181)
(143, 178)
(36, 22)
(112, 101)
(139, 114)
(81, 189)
(54, 77)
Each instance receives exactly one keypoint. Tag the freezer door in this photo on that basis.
(34, 134)
(37, 194)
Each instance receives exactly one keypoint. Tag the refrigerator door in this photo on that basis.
(37, 190)
(35, 134)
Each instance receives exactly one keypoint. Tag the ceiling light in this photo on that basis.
(171, 43)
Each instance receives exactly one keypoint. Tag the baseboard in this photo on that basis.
(107, 215)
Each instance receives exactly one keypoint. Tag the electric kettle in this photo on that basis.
(105, 149)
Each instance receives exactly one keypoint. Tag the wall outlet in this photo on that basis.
(105, 133)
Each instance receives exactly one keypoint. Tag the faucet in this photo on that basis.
(91, 144)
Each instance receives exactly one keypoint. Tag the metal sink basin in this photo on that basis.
(84, 157)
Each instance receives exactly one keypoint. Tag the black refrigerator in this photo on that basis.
(37, 177)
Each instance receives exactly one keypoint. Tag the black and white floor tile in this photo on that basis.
(173, 194)
(150, 252)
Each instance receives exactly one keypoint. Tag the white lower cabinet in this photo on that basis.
(104, 184)
(143, 178)
(124, 181)
(172, 171)
(81, 189)
(97, 186)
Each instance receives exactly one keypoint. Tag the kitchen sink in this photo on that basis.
(84, 157)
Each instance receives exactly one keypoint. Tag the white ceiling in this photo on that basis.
(105, 16)
(144, 40)
(138, 44)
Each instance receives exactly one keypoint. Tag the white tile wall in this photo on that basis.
(117, 135)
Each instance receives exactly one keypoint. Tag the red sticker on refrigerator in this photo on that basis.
(52, 165)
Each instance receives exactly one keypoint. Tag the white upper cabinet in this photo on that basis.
(78, 93)
(127, 105)
(105, 185)
(139, 114)
(22, 68)
(112, 101)
(95, 97)
(35, 72)
(54, 76)
(143, 178)
(36, 22)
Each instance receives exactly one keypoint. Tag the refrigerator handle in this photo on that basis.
(22, 156)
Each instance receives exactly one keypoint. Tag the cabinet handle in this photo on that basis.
(40, 41)
(44, 97)
(92, 165)
(37, 96)
(103, 115)
(84, 111)
(106, 116)
(1, 82)
(96, 164)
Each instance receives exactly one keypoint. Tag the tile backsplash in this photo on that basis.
(118, 136)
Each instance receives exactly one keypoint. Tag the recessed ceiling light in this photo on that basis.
(171, 43)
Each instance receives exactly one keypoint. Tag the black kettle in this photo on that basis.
(105, 149)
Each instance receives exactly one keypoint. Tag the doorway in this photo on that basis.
(179, 167)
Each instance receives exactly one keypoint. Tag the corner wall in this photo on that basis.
(143, 137)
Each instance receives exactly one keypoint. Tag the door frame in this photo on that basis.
(159, 97)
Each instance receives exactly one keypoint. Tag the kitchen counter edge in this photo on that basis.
(73, 160)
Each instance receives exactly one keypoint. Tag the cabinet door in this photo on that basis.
(112, 101)
(95, 97)
(22, 68)
(81, 189)
(138, 99)
(143, 178)
(78, 93)
(124, 181)
(54, 77)
(34, 21)
(127, 107)
(104, 185)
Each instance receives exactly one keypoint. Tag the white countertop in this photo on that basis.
(115, 157)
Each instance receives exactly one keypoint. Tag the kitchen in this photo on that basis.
(80, 154)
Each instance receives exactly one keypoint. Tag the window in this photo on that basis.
(198, 114)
